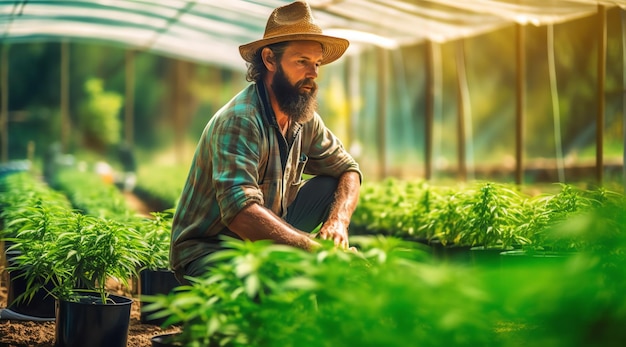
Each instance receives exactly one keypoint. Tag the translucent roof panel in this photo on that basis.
(211, 31)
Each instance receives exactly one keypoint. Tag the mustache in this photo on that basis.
(307, 82)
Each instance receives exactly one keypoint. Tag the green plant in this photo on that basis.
(156, 233)
(397, 208)
(75, 252)
(577, 301)
(490, 215)
(444, 217)
(88, 193)
(99, 119)
(260, 294)
(18, 194)
(377, 210)
(166, 187)
(550, 211)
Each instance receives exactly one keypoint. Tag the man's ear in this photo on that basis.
(269, 59)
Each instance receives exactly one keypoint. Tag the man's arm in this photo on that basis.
(346, 198)
(256, 222)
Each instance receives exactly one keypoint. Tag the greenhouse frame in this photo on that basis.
(485, 205)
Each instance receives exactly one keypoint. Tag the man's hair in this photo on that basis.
(256, 68)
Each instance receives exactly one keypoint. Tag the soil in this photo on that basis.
(14, 333)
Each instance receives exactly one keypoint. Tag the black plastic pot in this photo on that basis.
(154, 282)
(89, 322)
(165, 340)
(537, 258)
(487, 256)
(450, 252)
(41, 305)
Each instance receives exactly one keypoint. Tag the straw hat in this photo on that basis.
(295, 22)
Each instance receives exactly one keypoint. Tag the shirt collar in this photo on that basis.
(266, 107)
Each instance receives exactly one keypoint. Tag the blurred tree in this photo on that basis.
(99, 116)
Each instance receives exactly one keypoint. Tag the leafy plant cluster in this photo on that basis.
(88, 193)
(391, 294)
(484, 214)
(99, 115)
(55, 244)
(579, 302)
(166, 187)
(259, 294)
(26, 202)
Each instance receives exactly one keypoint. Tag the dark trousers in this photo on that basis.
(308, 210)
(312, 204)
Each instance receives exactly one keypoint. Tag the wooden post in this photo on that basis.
(65, 86)
(383, 86)
(556, 111)
(461, 79)
(178, 103)
(600, 93)
(129, 102)
(4, 100)
(352, 87)
(520, 103)
(624, 98)
(430, 111)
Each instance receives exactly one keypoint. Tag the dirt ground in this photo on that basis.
(14, 333)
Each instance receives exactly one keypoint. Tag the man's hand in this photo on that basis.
(335, 228)
(335, 232)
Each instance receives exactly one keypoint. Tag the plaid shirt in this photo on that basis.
(242, 158)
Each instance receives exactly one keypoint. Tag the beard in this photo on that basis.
(298, 106)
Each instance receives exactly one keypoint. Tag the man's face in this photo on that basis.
(293, 82)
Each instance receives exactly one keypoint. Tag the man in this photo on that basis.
(246, 180)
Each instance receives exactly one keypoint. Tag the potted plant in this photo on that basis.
(29, 209)
(155, 276)
(83, 254)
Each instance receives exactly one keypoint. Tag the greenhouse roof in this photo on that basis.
(210, 31)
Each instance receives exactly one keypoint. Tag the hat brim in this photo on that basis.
(332, 47)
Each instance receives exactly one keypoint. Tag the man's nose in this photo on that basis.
(312, 71)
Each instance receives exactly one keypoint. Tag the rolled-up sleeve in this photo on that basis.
(235, 164)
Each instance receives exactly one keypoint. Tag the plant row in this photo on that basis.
(163, 189)
(59, 247)
(484, 214)
(87, 192)
(391, 294)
